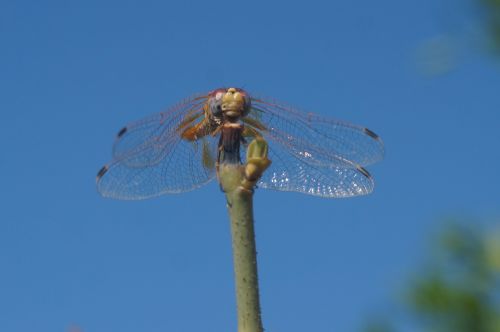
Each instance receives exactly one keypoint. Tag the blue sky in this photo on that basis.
(74, 72)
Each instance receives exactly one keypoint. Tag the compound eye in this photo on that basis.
(214, 105)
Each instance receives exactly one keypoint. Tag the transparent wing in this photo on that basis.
(289, 171)
(316, 139)
(145, 139)
(312, 154)
(150, 157)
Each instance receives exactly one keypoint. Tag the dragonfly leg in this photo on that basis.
(196, 131)
(191, 133)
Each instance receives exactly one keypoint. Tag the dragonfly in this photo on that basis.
(179, 150)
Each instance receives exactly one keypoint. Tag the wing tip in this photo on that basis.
(372, 134)
(121, 132)
(101, 172)
(363, 171)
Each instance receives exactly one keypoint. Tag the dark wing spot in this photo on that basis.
(121, 132)
(371, 134)
(364, 172)
(101, 172)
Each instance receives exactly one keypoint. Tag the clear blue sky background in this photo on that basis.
(73, 72)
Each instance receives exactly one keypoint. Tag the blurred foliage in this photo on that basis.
(443, 52)
(437, 55)
(378, 326)
(459, 290)
(492, 14)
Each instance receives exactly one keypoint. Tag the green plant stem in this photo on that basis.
(240, 207)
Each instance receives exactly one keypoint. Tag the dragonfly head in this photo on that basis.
(231, 103)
